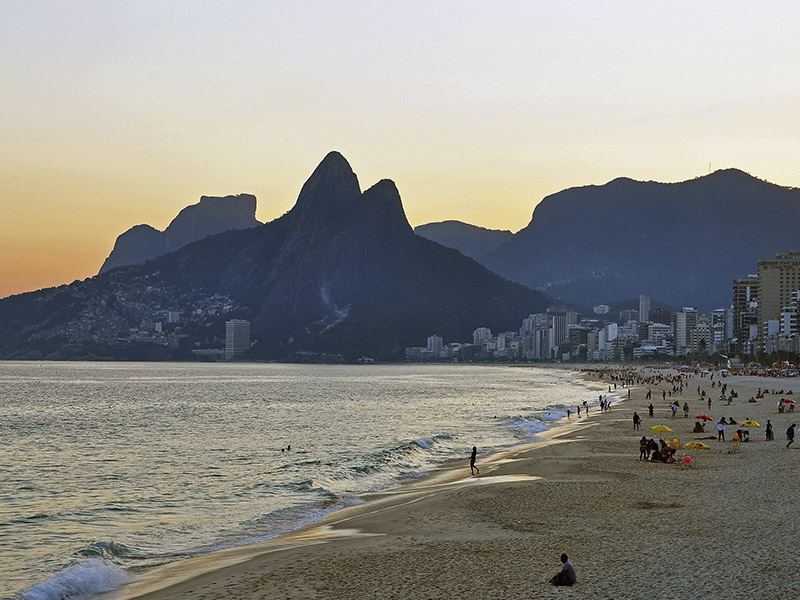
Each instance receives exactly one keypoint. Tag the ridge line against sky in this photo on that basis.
(116, 114)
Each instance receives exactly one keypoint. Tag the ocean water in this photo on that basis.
(110, 468)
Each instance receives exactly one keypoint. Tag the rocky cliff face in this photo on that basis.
(210, 216)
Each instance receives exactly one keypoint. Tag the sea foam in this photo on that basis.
(87, 579)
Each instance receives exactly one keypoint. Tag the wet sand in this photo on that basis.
(725, 527)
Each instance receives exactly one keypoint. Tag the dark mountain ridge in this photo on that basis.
(682, 243)
(210, 216)
(341, 272)
(470, 240)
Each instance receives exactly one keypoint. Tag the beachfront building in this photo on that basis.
(683, 323)
(481, 335)
(720, 330)
(237, 338)
(558, 319)
(777, 279)
(435, 344)
(745, 313)
(644, 308)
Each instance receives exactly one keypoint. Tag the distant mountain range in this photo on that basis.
(472, 241)
(342, 272)
(210, 216)
(682, 243)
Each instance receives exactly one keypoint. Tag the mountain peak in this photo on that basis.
(330, 189)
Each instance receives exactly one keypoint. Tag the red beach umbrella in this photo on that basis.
(704, 417)
(787, 401)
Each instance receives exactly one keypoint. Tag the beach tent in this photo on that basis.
(697, 446)
(661, 429)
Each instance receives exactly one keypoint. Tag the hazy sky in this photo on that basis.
(119, 113)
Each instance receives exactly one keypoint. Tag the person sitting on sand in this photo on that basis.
(731, 421)
(566, 576)
(698, 427)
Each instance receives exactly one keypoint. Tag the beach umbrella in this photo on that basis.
(704, 417)
(787, 401)
(661, 429)
(697, 446)
(749, 423)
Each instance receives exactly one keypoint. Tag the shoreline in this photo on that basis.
(632, 529)
(157, 582)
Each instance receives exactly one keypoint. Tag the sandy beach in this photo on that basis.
(725, 527)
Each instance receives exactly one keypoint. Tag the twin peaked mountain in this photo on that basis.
(341, 272)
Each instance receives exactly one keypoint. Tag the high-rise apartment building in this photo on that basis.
(745, 309)
(777, 279)
(237, 338)
(683, 325)
(481, 335)
(644, 308)
(557, 326)
(435, 344)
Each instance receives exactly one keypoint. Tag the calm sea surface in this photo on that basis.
(106, 469)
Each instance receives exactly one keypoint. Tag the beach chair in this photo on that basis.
(737, 443)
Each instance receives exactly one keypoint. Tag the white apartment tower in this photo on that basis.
(237, 338)
(644, 308)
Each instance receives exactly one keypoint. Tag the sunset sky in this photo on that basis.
(119, 113)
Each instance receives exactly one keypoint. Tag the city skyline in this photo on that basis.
(123, 114)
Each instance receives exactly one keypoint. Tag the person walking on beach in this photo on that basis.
(637, 420)
(790, 435)
(566, 576)
(473, 469)
(721, 430)
(685, 410)
(650, 410)
(770, 434)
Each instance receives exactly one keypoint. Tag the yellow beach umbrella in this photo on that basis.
(697, 446)
(749, 423)
(661, 429)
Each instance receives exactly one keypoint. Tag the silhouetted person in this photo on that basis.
(790, 435)
(566, 576)
(473, 469)
(637, 420)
